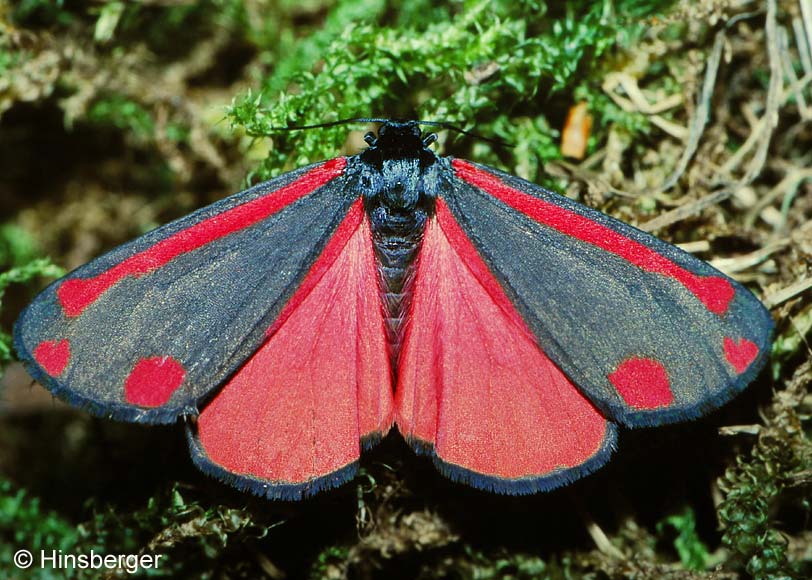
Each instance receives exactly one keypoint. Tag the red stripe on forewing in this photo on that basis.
(298, 407)
(473, 382)
(713, 291)
(76, 294)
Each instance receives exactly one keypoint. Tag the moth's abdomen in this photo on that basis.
(397, 236)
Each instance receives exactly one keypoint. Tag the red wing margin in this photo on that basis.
(649, 333)
(293, 419)
(474, 389)
(146, 331)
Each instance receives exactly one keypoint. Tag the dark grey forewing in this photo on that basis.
(208, 309)
(591, 309)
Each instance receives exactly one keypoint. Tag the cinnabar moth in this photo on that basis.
(506, 330)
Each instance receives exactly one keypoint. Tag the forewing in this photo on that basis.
(648, 332)
(147, 330)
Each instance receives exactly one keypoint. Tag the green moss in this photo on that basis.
(16, 246)
(516, 566)
(122, 113)
(693, 554)
(8, 60)
(42, 13)
(496, 62)
(609, 114)
(173, 30)
(24, 524)
(757, 484)
(302, 53)
(188, 536)
(329, 563)
(791, 340)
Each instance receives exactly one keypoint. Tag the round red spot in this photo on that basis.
(643, 383)
(153, 380)
(53, 356)
(740, 354)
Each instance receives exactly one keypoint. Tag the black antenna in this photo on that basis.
(331, 124)
(462, 131)
(441, 124)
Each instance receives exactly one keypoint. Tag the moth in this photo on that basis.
(505, 330)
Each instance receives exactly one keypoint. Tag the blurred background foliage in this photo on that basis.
(118, 116)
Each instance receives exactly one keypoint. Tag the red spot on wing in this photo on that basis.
(643, 383)
(472, 380)
(153, 380)
(53, 356)
(713, 291)
(298, 407)
(740, 354)
(77, 294)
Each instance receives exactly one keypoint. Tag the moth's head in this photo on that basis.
(401, 136)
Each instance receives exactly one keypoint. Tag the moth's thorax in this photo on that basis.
(400, 176)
